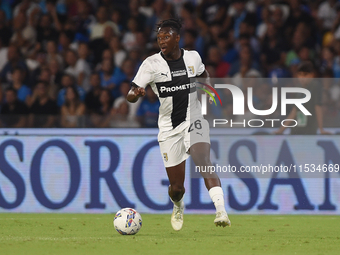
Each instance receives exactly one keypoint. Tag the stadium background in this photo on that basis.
(90, 51)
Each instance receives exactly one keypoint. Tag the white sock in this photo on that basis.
(180, 203)
(216, 195)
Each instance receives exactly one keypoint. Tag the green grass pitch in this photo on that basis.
(94, 234)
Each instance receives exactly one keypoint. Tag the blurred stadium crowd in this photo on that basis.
(69, 63)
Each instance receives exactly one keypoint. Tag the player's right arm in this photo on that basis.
(143, 77)
(135, 93)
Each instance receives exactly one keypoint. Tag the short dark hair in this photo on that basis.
(306, 67)
(175, 24)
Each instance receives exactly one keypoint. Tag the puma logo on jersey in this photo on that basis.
(165, 74)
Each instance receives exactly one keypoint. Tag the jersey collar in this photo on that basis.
(182, 53)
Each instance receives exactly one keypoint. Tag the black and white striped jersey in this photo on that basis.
(170, 80)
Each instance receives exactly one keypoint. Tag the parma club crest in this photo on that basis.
(191, 70)
(165, 156)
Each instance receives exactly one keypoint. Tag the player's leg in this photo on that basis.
(200, 153)
(174, 156)
(176, 175)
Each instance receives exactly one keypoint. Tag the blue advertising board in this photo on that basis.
(101, 174)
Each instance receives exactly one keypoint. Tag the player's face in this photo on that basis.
(167, 40)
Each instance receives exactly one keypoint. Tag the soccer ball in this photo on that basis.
(127, 221)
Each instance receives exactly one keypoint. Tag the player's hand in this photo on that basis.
(139, 92)
(210, 99)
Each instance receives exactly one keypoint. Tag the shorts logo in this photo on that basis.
(165, 156)
(191, 69)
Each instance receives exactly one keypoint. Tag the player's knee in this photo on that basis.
(177, 189)
(177, 192)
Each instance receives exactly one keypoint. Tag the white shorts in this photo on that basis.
(175, 147)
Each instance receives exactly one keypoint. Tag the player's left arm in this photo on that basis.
(205, 75)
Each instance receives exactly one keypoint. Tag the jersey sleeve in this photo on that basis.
(144, 75)
(200, 65)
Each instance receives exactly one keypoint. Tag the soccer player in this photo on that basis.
(168, 73)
